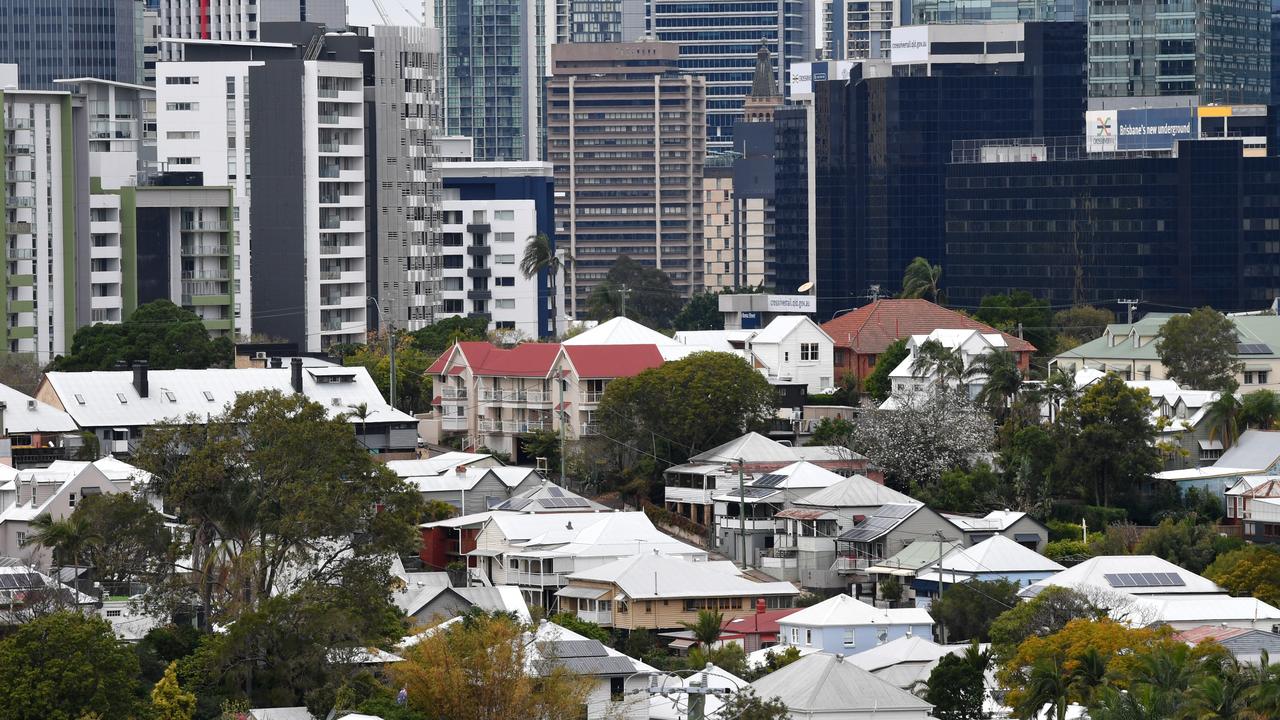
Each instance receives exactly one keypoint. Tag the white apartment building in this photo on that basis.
(202, 126)
(490, 211)
(239, 19)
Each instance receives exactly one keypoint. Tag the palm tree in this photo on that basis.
(706, 629)
(1223, 418)
(362, 411)
(1263, 695)
(943, 363)
(1260, 409)
(1089, 678)
(539, 255)
(921, 280)
(67, 538)
(1002, 379)
(1058, 389)
(1221, 694)
(1048, 684)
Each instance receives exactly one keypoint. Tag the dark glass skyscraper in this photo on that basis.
(52, 39)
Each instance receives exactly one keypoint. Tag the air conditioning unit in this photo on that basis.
(31, 404)
(337, 402)
(260, 355)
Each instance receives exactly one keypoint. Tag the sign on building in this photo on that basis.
(804, 75)
(1138, 129)
(791, 304)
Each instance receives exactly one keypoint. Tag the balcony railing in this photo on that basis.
(450, 393)
(535, 579)
(21, 253)
(327, 92)
(198, 250)
(590, 429)
(24, 201)
(330, 275)
(328, 119)
(329, 147)
(332, 248)
(19, 149)
(845, 563)
(204, 226)
(205, 275)
(592, 397)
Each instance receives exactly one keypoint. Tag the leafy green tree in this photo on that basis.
(413, 387)
(831, 431)
(957, 686)
(540, 256)
(775, 659)
(1001, 381)
(1186, 543)
(746, 705)
(1045, 614)
(707, 628)
(966, 610)
(933, 359)
(65, 666)
(1260, 409)
(962, 491)
(163, 334)
(702, 312)
(542, 444)
(66, 537)
(1199, 350)
(1020, 309)
(877, 383)
(1079, 325)
(681, 408)
(1222, 417)
(162, 646)
(168, 700)
(273, 486)
(586, 628)
(920, 280)
(1026, 456)
(439, 336)
(1107, 440)
(1250, 571)
(20, 371)
(124, 537)
(651, 299)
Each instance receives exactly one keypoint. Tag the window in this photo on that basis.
(848, 638)
(504, 237)
(177, 106)
(208, 396)
(505, 303)
(452, 306)
(1262, 377)
(182, 161)
(648, 606)
(617, 685)
(183, 134)
(808, 351)
(1248, 378)
(22, 538)
(71, 499)
(182, 80)
(786, 357)
(113, 613)
(504, 259)
(452, 262)
(808, 637)
(504, 281)
(504, 214)
(453, 283)
(795, 636)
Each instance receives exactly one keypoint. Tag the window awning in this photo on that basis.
(1210, 444)
(683, 644)
(485, 553)
(883, 570)
(1026, 537)
(579, 591)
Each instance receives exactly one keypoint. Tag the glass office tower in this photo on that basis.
(52, 39)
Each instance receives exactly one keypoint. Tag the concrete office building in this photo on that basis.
(490, 211)
(859, 29)
(495, 62)
(929, 12)
(1216, 50)
(626, 136)
(719, 40)
(599, 21)
(53, 39)
(239, 19)
(404, 249)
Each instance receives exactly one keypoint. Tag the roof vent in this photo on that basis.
(31, 404)
(337, 402)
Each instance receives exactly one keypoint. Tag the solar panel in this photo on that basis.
(555, 492)
(895, 510)
(1144, 580)
(873, 528)
(770, 480)
(1253, 349)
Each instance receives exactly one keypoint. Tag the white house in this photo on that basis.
(905, 661)
(762, 497)
(471, 489)
(34, 429)
(996, 558)
(790, 349)
(971, 344)
(829, 686)
(843, 624)
(619, 684)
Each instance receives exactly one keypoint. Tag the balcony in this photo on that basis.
(590, 429)
(205, 226)
(21, 175)
(691, 496)
(599, 617)
(18, 123)
(535, 579)
(200, 250)
(592, 397)
(478, 272)
(330, 275)
(847, 564)
(520, 427)
(478, 228)
(19, 149)
(18, 228)
(478, 250)
(454, 393)
(21, 253)
(326, 92)
(21, 201)
(489, 426)
(206, 275)
(329, 148)
(328, 118)
(453, 422)
(479, 294)
(779, 558)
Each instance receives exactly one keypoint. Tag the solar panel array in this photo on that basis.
(751, 491)
(770, 480)
(555, 492)
(12, 581)
(1144, 580)
(564, 502)
(886, 518)
(1253, 349)
(895, 510)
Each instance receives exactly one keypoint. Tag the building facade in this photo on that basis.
(239, 20)
(489, 213)
(625, 134)
(599, 21)
(1218, 50)
(928, 12)
(54, 39)
(719, 41)
(495, 60)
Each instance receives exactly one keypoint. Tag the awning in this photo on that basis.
(485, 553)
(1211, 445)
(803, 514)
(456, 370)
(1026, 537)
(882, 570)
(578, 591)
(436, 400)
(682, 644)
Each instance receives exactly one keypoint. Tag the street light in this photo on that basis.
(391, 349)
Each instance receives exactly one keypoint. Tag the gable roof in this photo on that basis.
(843, 611)
(1092, 574)
(855, 491)
(994, 521)
(752, 447)
(881, 522)
(871, 328)
(610, 361)
(1255, 449)
(919, 554)
(996, 554)
(826, 683)
(907, 649)
(620, 331)
(653, 575)
(1262, 332)
(548, 497)
(757, 623)
(523, 360)
(25, 414)
(781, 327)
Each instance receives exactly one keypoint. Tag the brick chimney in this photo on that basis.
(295, 374)
(761, 606)
(140, 377)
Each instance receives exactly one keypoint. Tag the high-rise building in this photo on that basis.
(495, 60)
(860, 171)
(599, 21)
(239, 19)
(1077, 227)
(1216, 50)
(491, 210)
(54, 39)
(929, 12)
(719, 40)
(626, 135)
(859, 29)
(404, 252)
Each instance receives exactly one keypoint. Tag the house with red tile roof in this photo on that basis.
(491, 395)
(862, 334)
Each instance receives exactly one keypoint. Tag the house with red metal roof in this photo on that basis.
(491, 395)
(862, 334)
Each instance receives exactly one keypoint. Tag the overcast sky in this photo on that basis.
(400, 12)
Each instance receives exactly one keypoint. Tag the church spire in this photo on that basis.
(763, 84)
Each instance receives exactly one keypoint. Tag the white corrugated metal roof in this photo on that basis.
(845, 611)
(855, 491)
(107, 398)
(1091, 574)
(823, 683)
(620, 331)
(996, 554)
(25, 414)
(653, 575)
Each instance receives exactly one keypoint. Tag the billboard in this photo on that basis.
(1138, 129)
(791, 304)
(804, 75)
(909, 44)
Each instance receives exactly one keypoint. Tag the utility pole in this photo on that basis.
(563, 415)
(742, 515)
(697, 692)
(1133, 305)
(623, 293)
(940, 546)
(391, 354)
